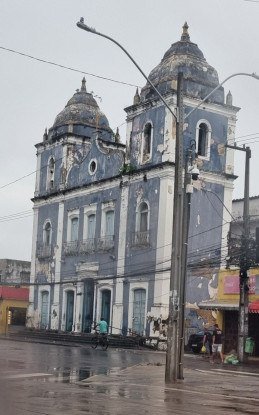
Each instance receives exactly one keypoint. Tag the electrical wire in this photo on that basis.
(29, 174)
(66, 67)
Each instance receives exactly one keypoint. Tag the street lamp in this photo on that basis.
(253, 75)
(181, 213)
(87, 28)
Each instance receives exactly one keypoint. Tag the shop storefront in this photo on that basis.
(225, 308)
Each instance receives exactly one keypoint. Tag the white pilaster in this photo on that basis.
(164, 245)
(55, 306)
(117, 311)
(230, 152)
(38, 172)
(79, 307)
(31, 314)
(128, 136)
(169, 137)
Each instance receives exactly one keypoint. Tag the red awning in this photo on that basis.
(254, 307)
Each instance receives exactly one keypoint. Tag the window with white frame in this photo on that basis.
(47, 231)
(74, 229)
(106, 241)
(141, 235)
(51, 173)
(147, 142)
(109, 223)
(143, 217)
(91, 222)
(203, 138)
(88, 243)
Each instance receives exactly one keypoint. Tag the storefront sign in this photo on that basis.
(231, 284)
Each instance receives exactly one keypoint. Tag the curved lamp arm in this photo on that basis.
(253, 75)
(83, 26)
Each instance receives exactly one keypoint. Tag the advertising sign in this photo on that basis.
(231, 284)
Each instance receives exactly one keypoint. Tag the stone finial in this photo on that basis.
(83, 87)
(136, 98)
(117, 136)
(229, 99)
(45, 135)
(185, 35)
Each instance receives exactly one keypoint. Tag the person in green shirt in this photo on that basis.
(101, 337)
(103, 326)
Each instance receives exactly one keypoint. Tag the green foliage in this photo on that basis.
(127, 168)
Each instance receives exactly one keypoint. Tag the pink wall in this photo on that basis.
(12, 293)
(231, 284)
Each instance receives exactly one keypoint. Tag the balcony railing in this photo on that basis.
(140, 238)
(106, 242)
(71, 248)
(87, 245)
(44, 251)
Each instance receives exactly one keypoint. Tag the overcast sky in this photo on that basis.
(33, 93)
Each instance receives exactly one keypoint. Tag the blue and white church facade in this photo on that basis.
(103, 210)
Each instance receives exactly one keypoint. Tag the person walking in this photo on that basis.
(207, 342)
(217, 336)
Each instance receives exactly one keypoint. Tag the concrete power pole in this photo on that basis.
(172, 372)
(244, 267)
(244, 262)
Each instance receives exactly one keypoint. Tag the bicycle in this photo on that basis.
(100, 339)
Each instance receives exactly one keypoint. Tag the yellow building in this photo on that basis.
(225, 306)
(13, 307)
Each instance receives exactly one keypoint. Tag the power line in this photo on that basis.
(17, 180)
(29, 174)
(66, 67)
(145, 268)
(15, 214)
(250, 142)
(246, 135)
(16, 218)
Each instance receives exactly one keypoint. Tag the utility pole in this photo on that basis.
(244, 263)
(191, 173)
(173, 344)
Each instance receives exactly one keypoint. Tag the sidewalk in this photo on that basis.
(142, 390)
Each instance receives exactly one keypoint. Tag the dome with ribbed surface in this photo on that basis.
(184, 56)
(82, 109)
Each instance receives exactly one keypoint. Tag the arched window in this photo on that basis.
(109, 223)
(143, 217)
(146, 149)
(107, 226)
(74, 229)
(47, 234)
(51, 173)
(203, 135)
(139, 311)
(91, 219)
(106, 305)
(203, 131)
(44, 319)
(141, 235)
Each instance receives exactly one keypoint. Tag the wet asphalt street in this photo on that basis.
(51, 379)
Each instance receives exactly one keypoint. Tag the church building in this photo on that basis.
(103, 210)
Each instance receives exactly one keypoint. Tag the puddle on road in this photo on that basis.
(73, 375)
(15, 364)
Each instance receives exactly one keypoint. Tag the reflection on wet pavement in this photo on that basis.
(54, 380)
